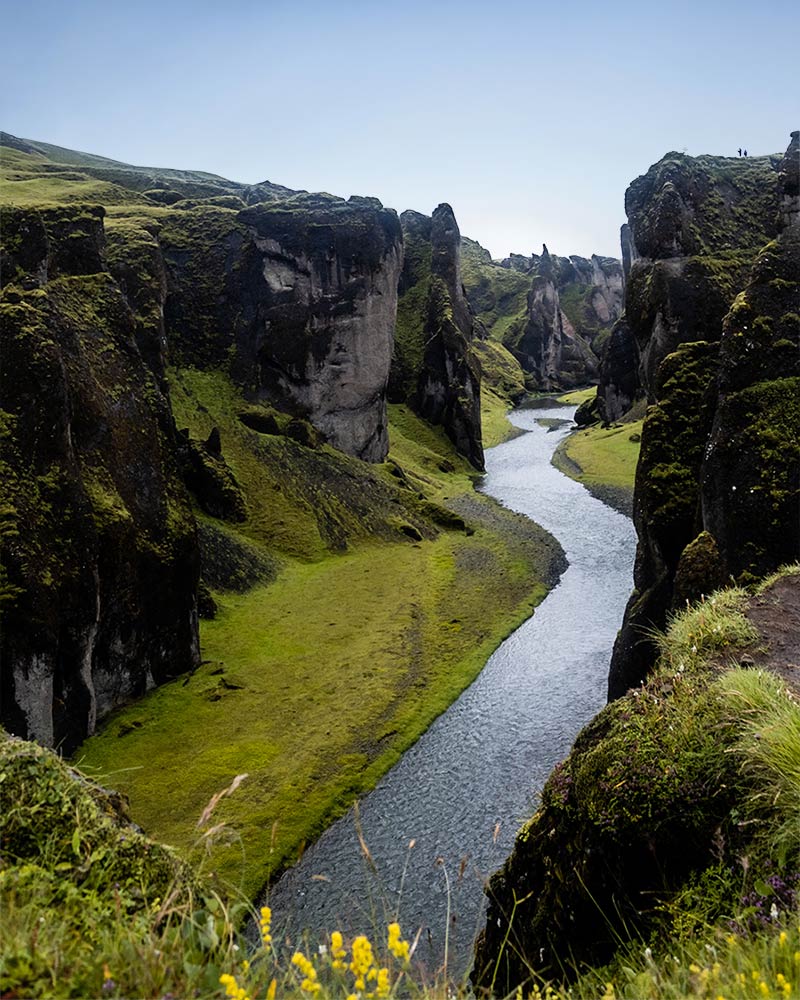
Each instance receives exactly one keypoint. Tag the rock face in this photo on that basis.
(712, 300)
(552, 313)
(435, 368)
(320, 285)
(100, 550)
(299, 299)
(294, 299)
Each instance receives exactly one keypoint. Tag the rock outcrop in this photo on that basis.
(100, 549)
(552, 313)
(299, 299)
(712, 300)
(435, 368)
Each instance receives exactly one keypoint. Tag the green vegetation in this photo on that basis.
(498, 294)
(603, 459)
(315, 696)
(578, 396)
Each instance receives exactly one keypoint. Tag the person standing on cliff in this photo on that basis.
(740, 151)
(745, 152)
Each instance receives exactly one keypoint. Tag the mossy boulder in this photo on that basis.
(699, 570)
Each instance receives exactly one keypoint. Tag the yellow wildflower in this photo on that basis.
(383, 984)
(106, 972)
(265, 924)
(764, 988)
(338, 951)
(273, 989)
(396, 945)
(783, 937)
(608, 993)
(309, 983)
(232, 988)
(362, 960)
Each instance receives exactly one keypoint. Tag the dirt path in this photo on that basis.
(776, 615)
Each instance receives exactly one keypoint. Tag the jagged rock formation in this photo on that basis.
(712, 300)
(100, 546)
(552, 313)
(618, 382)
(434, 366)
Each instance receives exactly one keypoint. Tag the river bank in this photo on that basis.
(315, 682)
(460, 793)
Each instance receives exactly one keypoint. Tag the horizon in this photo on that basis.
(530, 143)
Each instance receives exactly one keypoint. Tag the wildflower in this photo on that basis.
(764, 988)
(338, 952)
(608, 993)
(782, 938)
(396, 945)
(362, 960)
(309, 983)
(273, 989)
(108, 979)
(232, 988)
(265, 923)
(383, 984)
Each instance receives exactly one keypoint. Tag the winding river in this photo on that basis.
(462, 791)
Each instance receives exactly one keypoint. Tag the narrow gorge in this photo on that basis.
(292, 576)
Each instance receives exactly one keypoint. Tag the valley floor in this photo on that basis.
(314, 684)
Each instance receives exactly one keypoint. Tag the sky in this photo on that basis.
(529, 118)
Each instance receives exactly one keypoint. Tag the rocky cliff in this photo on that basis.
(553, 314)
(100, 546)
(435, 367)
(712, 301)
(289, 303)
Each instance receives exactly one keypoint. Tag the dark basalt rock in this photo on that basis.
(618, 382)
(99, 546)
(712, 301)
(210, 479)
(434, 367)
(298, 297)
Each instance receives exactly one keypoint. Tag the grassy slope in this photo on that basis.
(330, 672)
(604, 460)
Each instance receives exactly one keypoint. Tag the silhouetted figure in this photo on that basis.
(745, 152)
(740, 151)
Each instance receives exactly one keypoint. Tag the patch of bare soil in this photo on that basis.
(776, 615)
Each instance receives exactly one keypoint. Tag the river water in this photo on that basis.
(463, 790)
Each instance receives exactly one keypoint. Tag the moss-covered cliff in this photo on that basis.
(553, 314)
(435, 367)
(711, 300)
(675, 809)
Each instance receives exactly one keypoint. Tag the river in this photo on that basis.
(462, 791)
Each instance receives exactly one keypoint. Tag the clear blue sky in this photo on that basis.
(530, 118)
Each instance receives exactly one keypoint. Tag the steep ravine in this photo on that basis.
(462, 791)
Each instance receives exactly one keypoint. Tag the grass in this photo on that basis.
(314, 684)
(495, 425)
(604, 460)
(578, 396)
